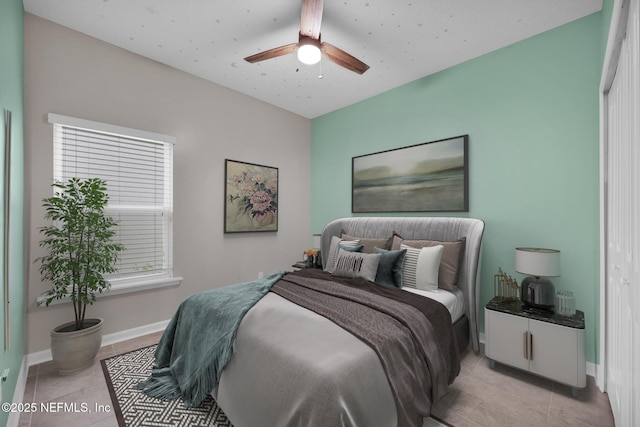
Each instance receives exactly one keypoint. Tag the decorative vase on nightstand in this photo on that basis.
(309, 257)
(318, 259)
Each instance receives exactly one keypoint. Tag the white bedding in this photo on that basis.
(454, 301)
(266, 382)
(276, 333)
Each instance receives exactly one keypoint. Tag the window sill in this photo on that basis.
(140, 285)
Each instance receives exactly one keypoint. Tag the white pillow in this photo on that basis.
(421, 267)
(333, 251)
(356, 264)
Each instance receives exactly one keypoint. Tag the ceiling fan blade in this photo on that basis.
(311, 18)
(343, 59)
(272, 53)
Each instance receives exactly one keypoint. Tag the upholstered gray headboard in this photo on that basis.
(425, 228)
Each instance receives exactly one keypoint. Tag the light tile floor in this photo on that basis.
(479, 396)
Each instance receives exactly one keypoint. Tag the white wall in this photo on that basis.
(69, 73)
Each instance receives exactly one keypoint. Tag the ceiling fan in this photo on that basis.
(310, 48)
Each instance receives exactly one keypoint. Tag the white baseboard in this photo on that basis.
(134, 332)
(18, 393)
(38, 357)
(591, 369)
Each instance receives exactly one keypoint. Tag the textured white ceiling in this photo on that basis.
(401, 40)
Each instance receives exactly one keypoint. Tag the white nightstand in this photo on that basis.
(548, 345)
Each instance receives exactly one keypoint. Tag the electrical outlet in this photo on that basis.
(260, 275)
(3, 378)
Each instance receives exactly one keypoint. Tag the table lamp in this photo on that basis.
(316, 238)
(536, 290)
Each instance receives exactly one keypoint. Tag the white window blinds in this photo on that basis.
(137, 167)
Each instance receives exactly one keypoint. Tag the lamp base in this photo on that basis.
(538, 292)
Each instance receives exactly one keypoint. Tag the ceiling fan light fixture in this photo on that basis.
(309, 50)
(309, 54)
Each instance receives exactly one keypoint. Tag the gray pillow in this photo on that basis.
(390, 267)
(356, 264)
(369, 244)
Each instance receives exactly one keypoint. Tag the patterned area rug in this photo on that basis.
(134, 409)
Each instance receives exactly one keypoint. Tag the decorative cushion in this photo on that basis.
(356, 264)
(451, 258)
(390, 267)
(336, 243)
(421, 267)
(369, 244)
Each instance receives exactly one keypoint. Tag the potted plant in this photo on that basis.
(80, 252)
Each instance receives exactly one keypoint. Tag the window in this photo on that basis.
(137, 167)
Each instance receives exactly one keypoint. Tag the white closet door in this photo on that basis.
(633, 304)
(623, 230)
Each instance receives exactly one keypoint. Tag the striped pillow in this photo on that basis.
(449, 264)
(421, 267)
(356, 264)
(336, 243)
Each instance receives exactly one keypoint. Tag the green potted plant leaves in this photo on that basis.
(80, 252)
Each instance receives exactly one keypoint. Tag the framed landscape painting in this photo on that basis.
(429, 177)
(250, 198)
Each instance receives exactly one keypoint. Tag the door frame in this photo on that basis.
(617, 31)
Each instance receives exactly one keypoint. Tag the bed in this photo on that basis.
(444, 229)
(293, 365)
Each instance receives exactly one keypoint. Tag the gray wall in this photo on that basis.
(69, 73)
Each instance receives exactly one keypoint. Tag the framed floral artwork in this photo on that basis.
(251, 197)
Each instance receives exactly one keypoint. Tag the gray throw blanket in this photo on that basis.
(412, 335)
(200, 340)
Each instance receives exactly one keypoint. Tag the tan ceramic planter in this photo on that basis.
(76, 350)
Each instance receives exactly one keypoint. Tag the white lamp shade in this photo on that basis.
(538, 262)
(309, 54)
(315, 241)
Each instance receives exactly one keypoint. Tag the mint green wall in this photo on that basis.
(531, 112)
(11, 98)
(607, 12)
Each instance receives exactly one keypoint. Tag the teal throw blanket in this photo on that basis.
(200, 340)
